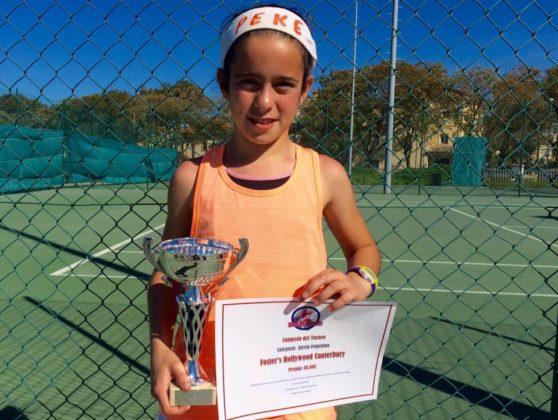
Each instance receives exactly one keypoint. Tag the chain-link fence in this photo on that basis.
(445, 114)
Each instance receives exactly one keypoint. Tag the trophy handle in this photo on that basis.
(149, 254)
(240, 255)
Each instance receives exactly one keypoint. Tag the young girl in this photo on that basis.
(262, 186)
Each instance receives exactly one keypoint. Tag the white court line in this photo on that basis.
(100, 275)
(480, 264)
(470, 292)
(405, 289)
(436, 204)
(70, 267)
(421, 262)
(534, 227)
(388, 261)
(398, 289)
(505, 228)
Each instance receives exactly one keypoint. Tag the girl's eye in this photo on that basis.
(284, 86)
(248, 84)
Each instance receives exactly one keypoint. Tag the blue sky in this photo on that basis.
(57, 49)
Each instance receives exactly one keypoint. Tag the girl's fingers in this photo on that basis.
(160, 389)
(315, 283)
(331, 284)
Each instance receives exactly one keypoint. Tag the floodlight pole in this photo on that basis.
(391, 99)
(352, 123)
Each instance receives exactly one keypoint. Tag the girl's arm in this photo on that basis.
(350, 230)
(166, 366)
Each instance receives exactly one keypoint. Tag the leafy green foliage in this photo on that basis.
(516, 111)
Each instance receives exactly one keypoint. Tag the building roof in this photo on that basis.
(440, 149)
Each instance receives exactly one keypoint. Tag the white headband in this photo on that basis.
(276, 18)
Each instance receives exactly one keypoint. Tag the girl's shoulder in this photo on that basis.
(187, 166)
(184, 177)
(335, 180)
(188, 169)
(331, 169)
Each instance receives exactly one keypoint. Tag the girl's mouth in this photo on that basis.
(262, 122)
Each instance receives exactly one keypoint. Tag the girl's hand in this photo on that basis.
(334, 284)
(165, 367)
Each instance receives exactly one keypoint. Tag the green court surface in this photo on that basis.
(474, 278)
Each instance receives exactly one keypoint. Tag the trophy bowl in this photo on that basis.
(194, 263)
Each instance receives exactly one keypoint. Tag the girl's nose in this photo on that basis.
(262, 101)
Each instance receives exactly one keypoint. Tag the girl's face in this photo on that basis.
(264, 87)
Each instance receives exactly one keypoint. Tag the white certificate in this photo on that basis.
(279, 356)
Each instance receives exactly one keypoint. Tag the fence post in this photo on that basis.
(351, 129)
(391, 100)
(521, 149)
(554, 400)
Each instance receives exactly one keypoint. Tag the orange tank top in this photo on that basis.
(286, 244)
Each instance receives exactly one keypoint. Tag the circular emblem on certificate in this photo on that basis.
(305, 318)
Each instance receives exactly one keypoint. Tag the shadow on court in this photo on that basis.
(471, 394)
(93, 337)
(12, 413)
(488, 332)
(82, 255)
(474, 395)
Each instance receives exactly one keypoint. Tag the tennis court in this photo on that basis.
(450, 106)
(474, 278)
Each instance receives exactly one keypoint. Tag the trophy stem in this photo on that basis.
(194, 372)
(193, 307)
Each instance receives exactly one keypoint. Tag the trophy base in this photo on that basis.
(205, 394)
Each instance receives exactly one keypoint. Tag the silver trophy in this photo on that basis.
(194, 263)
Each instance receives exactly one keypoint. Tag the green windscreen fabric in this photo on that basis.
(36, 159)
(30, 158)
(113, 162)
(161, 163)
(469, 156)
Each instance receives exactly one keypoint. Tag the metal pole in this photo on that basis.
(551, 139)
(17, 106)
(550, 132)
(391, 99)
(522, 147)
(422, 129)
(351, 128)
(326, 126)
(554, 398)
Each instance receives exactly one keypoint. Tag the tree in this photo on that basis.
(325, 118)
(473, 90)
(516, 115)
(180, 112)
(103, 115)
(165, 116)
(550, 89)
(421, 100)
(373, 89)
(550, 86)
(21, 110)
